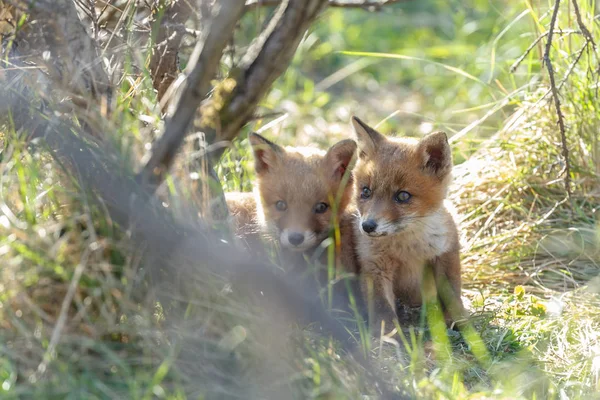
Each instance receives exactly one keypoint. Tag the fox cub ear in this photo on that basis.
(368, 138)
(341, 157)
(437, 155)
(266, 153)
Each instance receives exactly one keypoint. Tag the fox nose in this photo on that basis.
(369, 226)
(296, 238)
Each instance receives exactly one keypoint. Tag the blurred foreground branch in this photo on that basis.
(60, 41)
(266, 59)
(179, 255)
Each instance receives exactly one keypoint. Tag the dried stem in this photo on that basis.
(582, 27)
(555, 95)
(571, 66)
(519, 60)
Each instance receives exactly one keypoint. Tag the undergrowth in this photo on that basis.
(78, 321)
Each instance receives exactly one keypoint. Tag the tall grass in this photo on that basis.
(78, 320)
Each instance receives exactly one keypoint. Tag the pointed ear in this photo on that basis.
(341, 157)
(437, 155)
(368, 138)
(266, 153)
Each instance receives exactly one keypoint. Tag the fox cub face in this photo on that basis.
(300, 188)
(399, 181)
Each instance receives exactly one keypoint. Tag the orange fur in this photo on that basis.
(403, 225)
(242, 210)
(291, 183)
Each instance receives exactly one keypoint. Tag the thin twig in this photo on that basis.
(561, 122)
(587, 34)
(519, 60)
(571, 67)
(582, 27)
(568, 73)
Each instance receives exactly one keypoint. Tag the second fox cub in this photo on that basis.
(298, 192)
(401, 184)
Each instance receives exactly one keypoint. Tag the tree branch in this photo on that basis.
(555, 95)
(582, 27)
(268, 57)
(203, 65)
(519, 60)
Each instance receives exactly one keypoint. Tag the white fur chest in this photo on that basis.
(423, 240)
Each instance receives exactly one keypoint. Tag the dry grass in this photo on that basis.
(78, 317)
(517, 223)
(531, 256)
(75, 310)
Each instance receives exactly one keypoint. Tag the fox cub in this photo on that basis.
(298, 191)
(402, 224)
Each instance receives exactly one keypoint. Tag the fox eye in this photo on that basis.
(281, 205)
(365, 193)
(320, 208)
(402, 197)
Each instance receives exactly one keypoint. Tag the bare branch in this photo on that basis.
(582, 27)
(571, 66)
(201, 69)
(519, 60)
(267, 58)
(555, 95)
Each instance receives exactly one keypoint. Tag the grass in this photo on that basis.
(451, 66)
(77, 319)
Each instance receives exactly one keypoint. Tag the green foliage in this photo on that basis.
(531, 258)
(453, 68)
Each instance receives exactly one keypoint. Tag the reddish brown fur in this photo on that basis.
(305, 182)
(242, 211)
(302, 178)
(242, 207)
(411, 234)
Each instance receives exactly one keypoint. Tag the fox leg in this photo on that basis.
(378, 292)
(447, 274)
